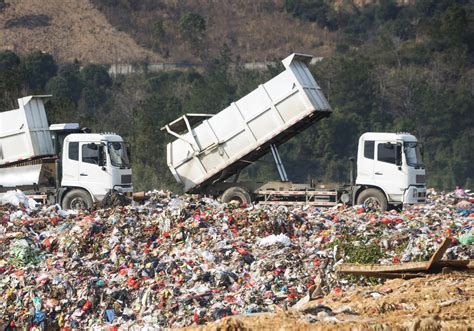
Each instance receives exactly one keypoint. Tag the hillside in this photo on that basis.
(67, 29)
(253, 30)
(392, 68)
(103, 31)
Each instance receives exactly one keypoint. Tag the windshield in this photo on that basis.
(413, 153)
(118, 154)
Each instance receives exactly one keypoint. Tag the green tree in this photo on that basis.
(313, 10)
(96, 75)
(149, 142)
(11, 77)
(216, 90)
(71, 73)
(158, 34)
(95, 93)
(39, 68)
(192, 27)
(455, 26)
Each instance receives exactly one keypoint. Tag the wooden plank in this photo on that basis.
(402, 267)
(438, 254)
(373, 270)
(377, 268)
(453, 263)
(389, 275)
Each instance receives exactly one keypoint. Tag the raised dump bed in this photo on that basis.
(24, 132)
(211, 148)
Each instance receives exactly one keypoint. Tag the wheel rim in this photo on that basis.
(372, 203)
(236, 198)
(78, 203)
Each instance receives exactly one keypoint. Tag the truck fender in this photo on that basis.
(359, 188)
(61, 192)
(237, 193)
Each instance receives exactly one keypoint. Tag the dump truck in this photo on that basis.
(61, 163)
(210, 150)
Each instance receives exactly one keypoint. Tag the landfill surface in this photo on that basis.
(186, 261)
(434, 302)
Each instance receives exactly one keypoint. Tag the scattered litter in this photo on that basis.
(176, 261)
(275, 239)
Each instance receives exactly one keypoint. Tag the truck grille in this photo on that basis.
(420, 179)
(126, 179)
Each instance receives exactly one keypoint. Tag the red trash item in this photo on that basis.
(196, 317)
(132, 282)
(87, 305)
(386, 220)
(337, 290)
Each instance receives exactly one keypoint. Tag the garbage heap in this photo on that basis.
(178, 261)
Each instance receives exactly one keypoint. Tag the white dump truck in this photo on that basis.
(60, 163)
(210, 150)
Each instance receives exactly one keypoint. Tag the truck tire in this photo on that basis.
(373, 199)
(77, 199)
(236, 193)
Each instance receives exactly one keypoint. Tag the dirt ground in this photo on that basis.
(67, 29)
(433, 302)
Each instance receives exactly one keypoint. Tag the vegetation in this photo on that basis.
(192, 27)
(396, 68)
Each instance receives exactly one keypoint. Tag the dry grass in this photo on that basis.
(87, 31)
(76, 30)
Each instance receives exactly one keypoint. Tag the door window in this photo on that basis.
(369, 149)
(90, 153)
(73, 151)
(386, 153)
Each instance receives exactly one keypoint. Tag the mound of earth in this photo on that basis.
(430, 303)
(67, 29)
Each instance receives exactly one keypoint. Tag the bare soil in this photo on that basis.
(254, 31)
(430, 303)
(67, 29)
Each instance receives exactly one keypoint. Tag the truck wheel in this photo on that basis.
(373, 199)
(236, 193)
(77, 200)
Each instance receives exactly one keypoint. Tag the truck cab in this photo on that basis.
(92, 164)
(390, 169)
(61, 163)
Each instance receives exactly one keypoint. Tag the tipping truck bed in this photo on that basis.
(24, 132)
(212, 148)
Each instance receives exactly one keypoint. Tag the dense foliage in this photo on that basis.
(396, 68)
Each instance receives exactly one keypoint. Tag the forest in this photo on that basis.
(394, 69)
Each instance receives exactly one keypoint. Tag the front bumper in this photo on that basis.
(124, 189)
(415, 194)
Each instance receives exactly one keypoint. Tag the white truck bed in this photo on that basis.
(224, 143)
(24, 132)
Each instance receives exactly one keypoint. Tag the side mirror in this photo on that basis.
(102, 156)
(129, 152)
(398, 155)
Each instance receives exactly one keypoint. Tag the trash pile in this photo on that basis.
(177, 261)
